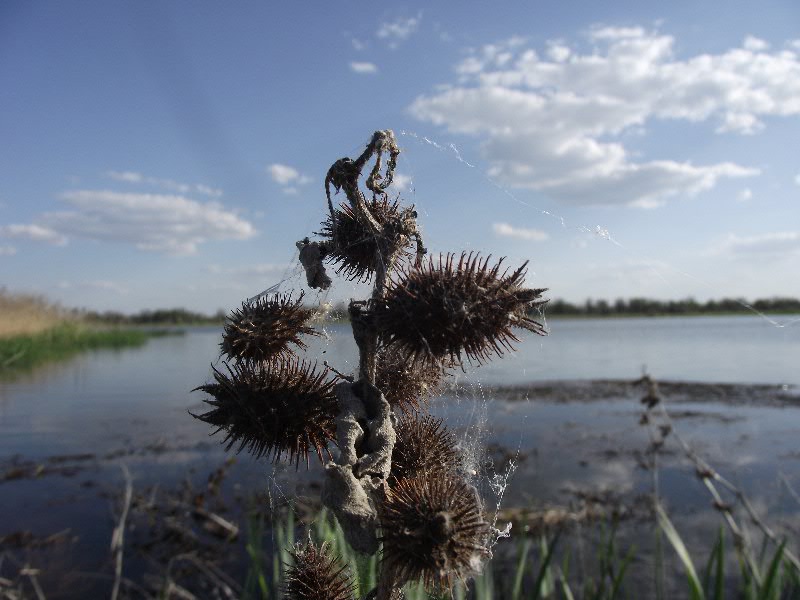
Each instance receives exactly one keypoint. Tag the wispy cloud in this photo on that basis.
(287, 177)
(521, 233)
(7, 251)
(363, 68)
(555, 122)
(745, 195)
(398, 30)
(167, 184)
(249, 270)
(33, 232)
(102, 285)
(154, 222)
(401, 182)
(779, 244)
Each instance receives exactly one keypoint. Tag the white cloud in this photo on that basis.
(745, 195)
(797, 179)
(398, 30)
(249, 270)
(36, 233)
(358, 44)
(287, 177)
(126, 176)
(401, 183)
(363, 68)
(7, 251)
(168, 184)
(556, 124)
(102, 285)
(521, 233)
(755, 44)
(155, 222)
(779, 244)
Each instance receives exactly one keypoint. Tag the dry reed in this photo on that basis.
(22, 314)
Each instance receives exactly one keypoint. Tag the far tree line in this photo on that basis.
(556, 307)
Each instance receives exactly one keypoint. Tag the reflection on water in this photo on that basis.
(133, 406)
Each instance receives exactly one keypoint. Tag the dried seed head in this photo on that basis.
(443, 309)
(433, 530)
(272, 409)
(316, 575)
(263, 329)
(354, 250)
(423, 446)
(406, 385)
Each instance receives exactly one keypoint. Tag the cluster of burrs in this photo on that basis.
(394, 476)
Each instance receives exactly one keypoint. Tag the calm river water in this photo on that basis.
(65, 429)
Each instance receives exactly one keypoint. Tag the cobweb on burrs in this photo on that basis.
(470, 418)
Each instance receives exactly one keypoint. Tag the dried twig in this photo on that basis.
(118, 536)
(710, 477)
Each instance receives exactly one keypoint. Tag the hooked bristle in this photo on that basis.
(406, 385)
(445, 310)
(317, 575)
(272, 409)
(354, 250)
(263, 329)
(433, 530)
(423, 446)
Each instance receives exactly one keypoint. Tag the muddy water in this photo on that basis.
(65, 429)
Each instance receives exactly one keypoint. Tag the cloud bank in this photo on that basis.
(554, 122)
(155, 222)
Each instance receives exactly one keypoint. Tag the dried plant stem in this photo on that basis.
(711, 478)
(118, 535)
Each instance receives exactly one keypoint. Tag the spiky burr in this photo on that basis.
(433, 530)
(423, 446)
(273, 409)
(454, 308)
(317, 575)
(264, 329)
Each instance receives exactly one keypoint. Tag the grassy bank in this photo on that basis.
(60, 341)
(35, 331)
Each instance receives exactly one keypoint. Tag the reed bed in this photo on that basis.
(34, 331)
(23, 314)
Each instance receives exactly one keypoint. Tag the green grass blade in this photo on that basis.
(771, 587)
(617, 581)
(695, 586)
(516, 591)
(539, 590)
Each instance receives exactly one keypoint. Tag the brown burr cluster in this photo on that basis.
(394, 475)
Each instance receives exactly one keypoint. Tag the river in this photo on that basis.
(66, 428)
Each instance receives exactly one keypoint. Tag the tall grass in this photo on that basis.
(35, 331)
(539, 568)
(24, 351)
(22, 314)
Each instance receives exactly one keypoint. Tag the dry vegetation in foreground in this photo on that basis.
(22, 314)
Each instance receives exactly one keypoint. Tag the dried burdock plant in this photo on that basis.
(354, 250)
(396, 481)
(445, 309)
(263, 329)
(407, 386)
(273, 409)
(424, 446)
(317, 575)
(433, 530)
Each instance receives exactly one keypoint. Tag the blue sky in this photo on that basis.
(161, 154)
